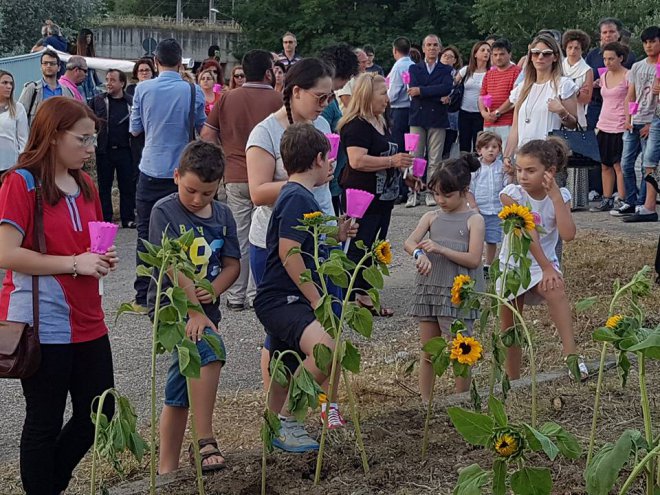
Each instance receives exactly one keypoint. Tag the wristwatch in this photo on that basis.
(497, 114)
(418, 252)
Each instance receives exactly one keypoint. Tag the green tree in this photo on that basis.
(20, 22)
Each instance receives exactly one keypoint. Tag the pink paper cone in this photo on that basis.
(217, 88)
(102, 236)
(602, 71)
(633, 106)
(357, 202)
(419, 167)
(334, 145)
(493, 67)
(411, 141)
(657, 70)
(487, 100)
(387, 82)
(405, 77)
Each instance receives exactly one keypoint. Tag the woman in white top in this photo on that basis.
(307, 91)
(13, 123)
(544, 100)
(470, 121)
(575, 43)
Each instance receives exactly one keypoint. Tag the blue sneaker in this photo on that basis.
(294, 438)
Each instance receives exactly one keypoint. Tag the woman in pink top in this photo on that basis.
(611, 124)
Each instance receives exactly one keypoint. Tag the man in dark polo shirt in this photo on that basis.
(230, 122)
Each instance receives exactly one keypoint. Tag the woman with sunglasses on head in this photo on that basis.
(545, 100)
(307, 92)
(75, 351)
(237, 77)
(13, 123)
(375, 164)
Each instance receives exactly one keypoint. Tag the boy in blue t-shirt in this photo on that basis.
(216, 255)
(284, 306)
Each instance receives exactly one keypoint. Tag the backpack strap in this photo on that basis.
(191, 114)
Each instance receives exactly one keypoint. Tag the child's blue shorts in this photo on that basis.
(176, 392)
(493, 229)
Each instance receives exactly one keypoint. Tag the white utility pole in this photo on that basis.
(179, 13)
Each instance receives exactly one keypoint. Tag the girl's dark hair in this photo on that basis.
(620, 49)
(454, 174)
(576, 35)
(551, 152)
(472, 62)
(304, 74)
(457, 55)
(82, 48)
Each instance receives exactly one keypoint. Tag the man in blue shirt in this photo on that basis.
(397, 93)
(36, 92)
(161, 109)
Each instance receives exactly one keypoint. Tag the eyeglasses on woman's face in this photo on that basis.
(85, 140)
(321, 99)
(145, 70)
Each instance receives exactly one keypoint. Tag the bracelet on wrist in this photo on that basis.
(74, 271)
(390, 162)
(418, 252)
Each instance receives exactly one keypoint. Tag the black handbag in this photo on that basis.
(456, 97)
(583, 144)
(20, 349)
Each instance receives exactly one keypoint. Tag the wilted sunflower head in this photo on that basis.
(465, 350)
(613, 321)
(312, 215)
(383, 252)
(508, 443)
(520, 215)
(457, 288)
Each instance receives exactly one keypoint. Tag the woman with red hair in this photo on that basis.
(75, 350)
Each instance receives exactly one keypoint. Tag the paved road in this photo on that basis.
(242, 333)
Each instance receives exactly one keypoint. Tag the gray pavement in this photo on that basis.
(242, 333)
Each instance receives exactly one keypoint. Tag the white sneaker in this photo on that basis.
(624, 210)
(430, 200)
(412, 200)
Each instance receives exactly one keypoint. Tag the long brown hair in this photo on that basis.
(11, 103)
(232, 82)
(530, 70)
(472, 63)
(82, 47)
(55, 116)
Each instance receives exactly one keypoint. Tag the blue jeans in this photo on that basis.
(652, 153)
(633, 145)
(149, 191)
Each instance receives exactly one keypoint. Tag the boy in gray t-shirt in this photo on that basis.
(216, 255)
(639, 107)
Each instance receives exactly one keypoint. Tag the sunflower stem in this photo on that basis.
(429, 411)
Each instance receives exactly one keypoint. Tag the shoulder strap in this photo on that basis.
(191, 115)
(38, 244)
(34, 97)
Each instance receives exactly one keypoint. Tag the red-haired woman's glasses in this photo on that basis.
(86, 140)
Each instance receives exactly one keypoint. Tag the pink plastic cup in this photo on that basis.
(102, 236)
(487, 100)
(334, 146)
(357, 202)
(419, 167)
(633, 107)
(405, 77)
(411, 141)
(602, 71)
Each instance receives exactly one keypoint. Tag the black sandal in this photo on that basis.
(207, 468)
(383, 313)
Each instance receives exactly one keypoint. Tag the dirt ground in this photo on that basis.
(392, 417)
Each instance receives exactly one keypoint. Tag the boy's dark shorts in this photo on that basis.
(285, 321)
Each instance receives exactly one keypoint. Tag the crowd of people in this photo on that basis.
(240, 162)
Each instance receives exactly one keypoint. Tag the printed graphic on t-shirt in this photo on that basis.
(386, 184)
(201, 253)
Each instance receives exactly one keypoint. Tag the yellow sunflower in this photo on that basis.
(383, 252)
(613, 321)
(521, 215)
(465, 350)
(313, 214)
(506, 445)
(459, 282)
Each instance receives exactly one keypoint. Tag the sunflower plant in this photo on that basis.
(336, 314)
(626, 334)
(462, 353)
(511, 445)
(169, 325)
